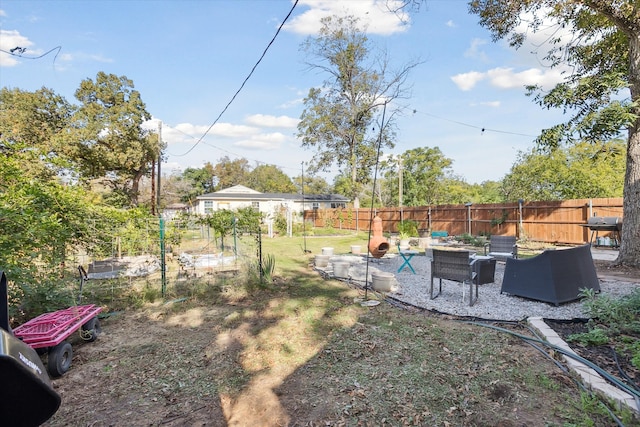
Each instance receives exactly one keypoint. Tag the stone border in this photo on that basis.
(590, 378)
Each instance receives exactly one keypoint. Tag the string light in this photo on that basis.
(482, 129)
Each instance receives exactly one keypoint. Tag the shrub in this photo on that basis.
(408, 228)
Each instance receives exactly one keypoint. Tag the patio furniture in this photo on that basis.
(485, 268)
(501, 247)
(554, 276)
(407, 255)
(455, 266)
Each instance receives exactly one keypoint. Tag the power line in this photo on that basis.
(19, 51)
(243, 83)
(226, 151)
(482, 129)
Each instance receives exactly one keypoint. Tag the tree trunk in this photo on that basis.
(354, 175)
(135, 188)
(630, 245)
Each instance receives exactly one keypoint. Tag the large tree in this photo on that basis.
(31, 125)
(581, 171)
(423, 172)
(312, 184)
(270, 179)
(198, 181)
(604, 56)
(338, 118)
(107, 138)
(229, 172)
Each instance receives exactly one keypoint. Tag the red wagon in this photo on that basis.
(49, 331)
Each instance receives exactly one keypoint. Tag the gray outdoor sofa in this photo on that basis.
(554, 276)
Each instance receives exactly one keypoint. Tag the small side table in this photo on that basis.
(485, 268)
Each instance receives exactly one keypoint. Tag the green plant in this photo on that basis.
(268, 267)
(595, 336)
(150, 293)
(280, 223)
(501, 219)
(468, 239)
(618, 314)
(43, 294)
(408, 228)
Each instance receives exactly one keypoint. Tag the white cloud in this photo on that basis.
(466, 81)
(272, 121)
(475, 50)
(190, 133)
(266, 141)
(10, 39)
(376, 15)
(451, 24)
(492, 104)
(507, 78)
(3, 13)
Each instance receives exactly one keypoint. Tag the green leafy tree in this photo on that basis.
(39, 221)
(604, 55)
(488, 192)
(248, 220)
(231, 172)
(312, 185)
(31, 125)
(423, 172)
(270, 179)
(584, 170)
(106, 138)
(221, 221)
(338, 118)
(199, 181)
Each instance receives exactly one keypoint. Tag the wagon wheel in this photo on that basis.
(59, 359)
(90, 330)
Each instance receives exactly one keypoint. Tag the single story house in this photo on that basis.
(239, 196)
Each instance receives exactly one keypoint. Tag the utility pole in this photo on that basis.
(400, 187)
(153, 187)
(159, 162)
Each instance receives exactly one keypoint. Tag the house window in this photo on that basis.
(255, 206)
(315, 205)
(208, 206)
(335, 205)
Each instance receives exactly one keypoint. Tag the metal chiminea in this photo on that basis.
(378, 245)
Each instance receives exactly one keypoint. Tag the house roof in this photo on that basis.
(240, 192)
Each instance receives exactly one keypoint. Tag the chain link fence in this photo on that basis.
(150, 258)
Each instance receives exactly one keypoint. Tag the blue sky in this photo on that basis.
(188, 59)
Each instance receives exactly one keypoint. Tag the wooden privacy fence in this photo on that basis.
(551, 222)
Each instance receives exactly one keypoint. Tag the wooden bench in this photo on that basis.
(439, 234)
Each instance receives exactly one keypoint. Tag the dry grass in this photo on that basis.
(302, 352)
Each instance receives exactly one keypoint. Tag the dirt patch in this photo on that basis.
(609, 270)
